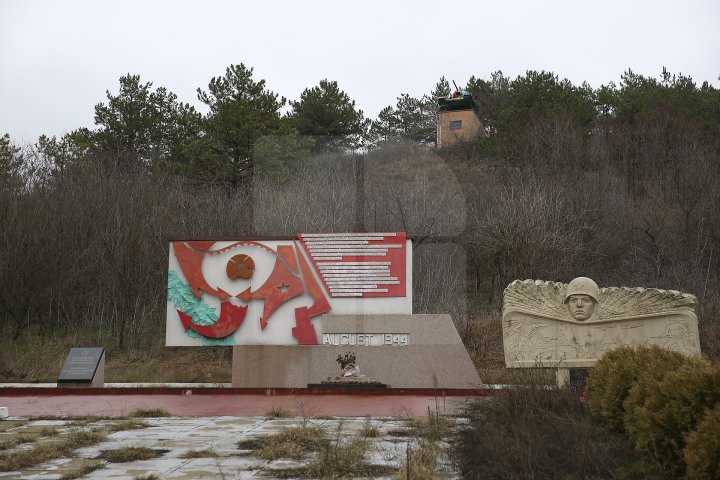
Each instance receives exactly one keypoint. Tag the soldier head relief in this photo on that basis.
(572, 325)
(581, 297)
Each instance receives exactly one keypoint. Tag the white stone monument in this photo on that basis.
(552, 324)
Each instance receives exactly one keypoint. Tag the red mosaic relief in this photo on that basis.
(230, 319)
(286, 281)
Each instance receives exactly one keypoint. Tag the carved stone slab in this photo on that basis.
(539, 330)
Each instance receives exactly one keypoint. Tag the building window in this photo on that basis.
(455, 124)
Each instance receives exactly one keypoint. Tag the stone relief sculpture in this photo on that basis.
(552, 324)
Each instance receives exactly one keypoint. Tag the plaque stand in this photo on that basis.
(562, 376)
(84, 368)
(575, 378)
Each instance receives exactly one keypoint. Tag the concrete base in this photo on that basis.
(562, 376)
(435, 356)
(572, 378)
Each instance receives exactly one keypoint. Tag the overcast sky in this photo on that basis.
(57, 58)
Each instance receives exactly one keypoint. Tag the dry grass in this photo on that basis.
(163, 364)
(292, 442)
(27, 361)
(148, 476)
(369, 430)
(207, 453)
(6, 425)
(338, 459)
(84, 438)
(482, 336)
(74, 420)
(423, 462)
(400, 432)
(279, 411)
(43, 452)
(432, 427)
(11, 441)
(252, 444)
(29, 435)
(47, 431)
(86, 468)
(7, 444)
(149, 413)
(52, 444)
(130, 454)
(518, 376)
(430, 434)
(126, 425)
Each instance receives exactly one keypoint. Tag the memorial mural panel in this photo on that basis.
(273, 292)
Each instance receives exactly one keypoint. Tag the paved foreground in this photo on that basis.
(227, 442)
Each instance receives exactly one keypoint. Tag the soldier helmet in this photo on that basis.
(583, 286)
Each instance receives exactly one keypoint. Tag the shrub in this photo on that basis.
(615, 374)
(542, 434)
(702, 447)
(660, 412)
(646, 385)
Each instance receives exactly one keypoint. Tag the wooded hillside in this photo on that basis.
(620, 183)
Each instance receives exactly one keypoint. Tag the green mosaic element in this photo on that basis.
(181, 295)
(200, 312)
(228, 341)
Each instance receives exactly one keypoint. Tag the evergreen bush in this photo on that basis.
(702, 448)
(662, 411)
(615, 374)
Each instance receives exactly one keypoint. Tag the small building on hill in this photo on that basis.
(458, 119)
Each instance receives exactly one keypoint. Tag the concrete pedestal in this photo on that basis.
(434, 356)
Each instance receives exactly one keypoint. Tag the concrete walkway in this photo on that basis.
(227, 440)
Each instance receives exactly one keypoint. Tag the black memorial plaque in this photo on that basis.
(81, 365)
